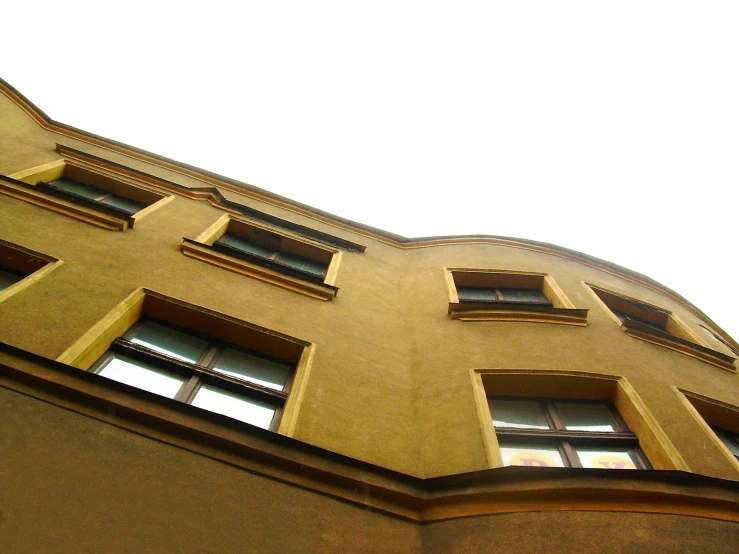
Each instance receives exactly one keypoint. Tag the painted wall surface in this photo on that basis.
(389, 385)
(73, 484)
(581, 533)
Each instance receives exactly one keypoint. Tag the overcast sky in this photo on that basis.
(611, 128)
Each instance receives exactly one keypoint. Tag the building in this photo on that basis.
(189, 363)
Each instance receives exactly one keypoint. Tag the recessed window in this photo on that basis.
(200, 370)
(274, 251)
(17, 264)
(718, 419)
(730, 440)
(93, 195)
(269, 254)
(9, 277)
(659, 326)
(563, 433)
(500, 295)
(89, 189)
(715, 336)
(481, 295)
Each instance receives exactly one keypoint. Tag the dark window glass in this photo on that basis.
(623, 316)
(9, 277)
(98, 195)
(730, 440)
(267, 246)
(476, 294)
(504, 295)
(80, 189)
(523, 296)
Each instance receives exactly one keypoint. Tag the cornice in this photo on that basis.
(412, 498)
(391, 239)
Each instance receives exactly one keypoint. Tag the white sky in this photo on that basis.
(611, 128)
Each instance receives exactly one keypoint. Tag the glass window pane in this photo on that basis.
(586, 417)
(523, 296)
(130, 206)
(725, 437)
(476, 294)
(521, 414)
(143, 376)
(166, 340)
(8, 278)
(253, 368)
(233, 405)
(305, 264)
(80, 189)
(606, 458)
(241, 243)
(531, 455)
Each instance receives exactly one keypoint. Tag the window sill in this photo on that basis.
(481, 311)
(106, 219)
(252, 268)
(703, 353)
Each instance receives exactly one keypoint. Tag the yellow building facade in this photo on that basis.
(190, 363)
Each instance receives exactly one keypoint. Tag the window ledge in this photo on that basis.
(107, 219)
(703, 353)
(252, 268)
(484, 311)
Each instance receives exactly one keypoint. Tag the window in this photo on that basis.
(17, 264)
(273, 251)
(721, 339)
(209, 373)
(486, 295)
(89, 189)
(9, 277)
(718, 419)
(269, 254)
(563, 433)
(730, 440)
(531, 297)
(658, 326)
(92, 195)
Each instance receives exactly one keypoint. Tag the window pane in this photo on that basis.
(75, 187)
(166, 340)
(122, 203)
(476, 294)
(8, 278)
(725, 437)
(242, 244)
(253, 368)
(586, 417)
(522, 414)
(523, 296)
(233, 405)
(531, 455)
(299, 262)
(143, 376)
(606, 458)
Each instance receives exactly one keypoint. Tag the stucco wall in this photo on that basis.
(390, 380)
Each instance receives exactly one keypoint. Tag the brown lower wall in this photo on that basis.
(581, 532)
(69, 483)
